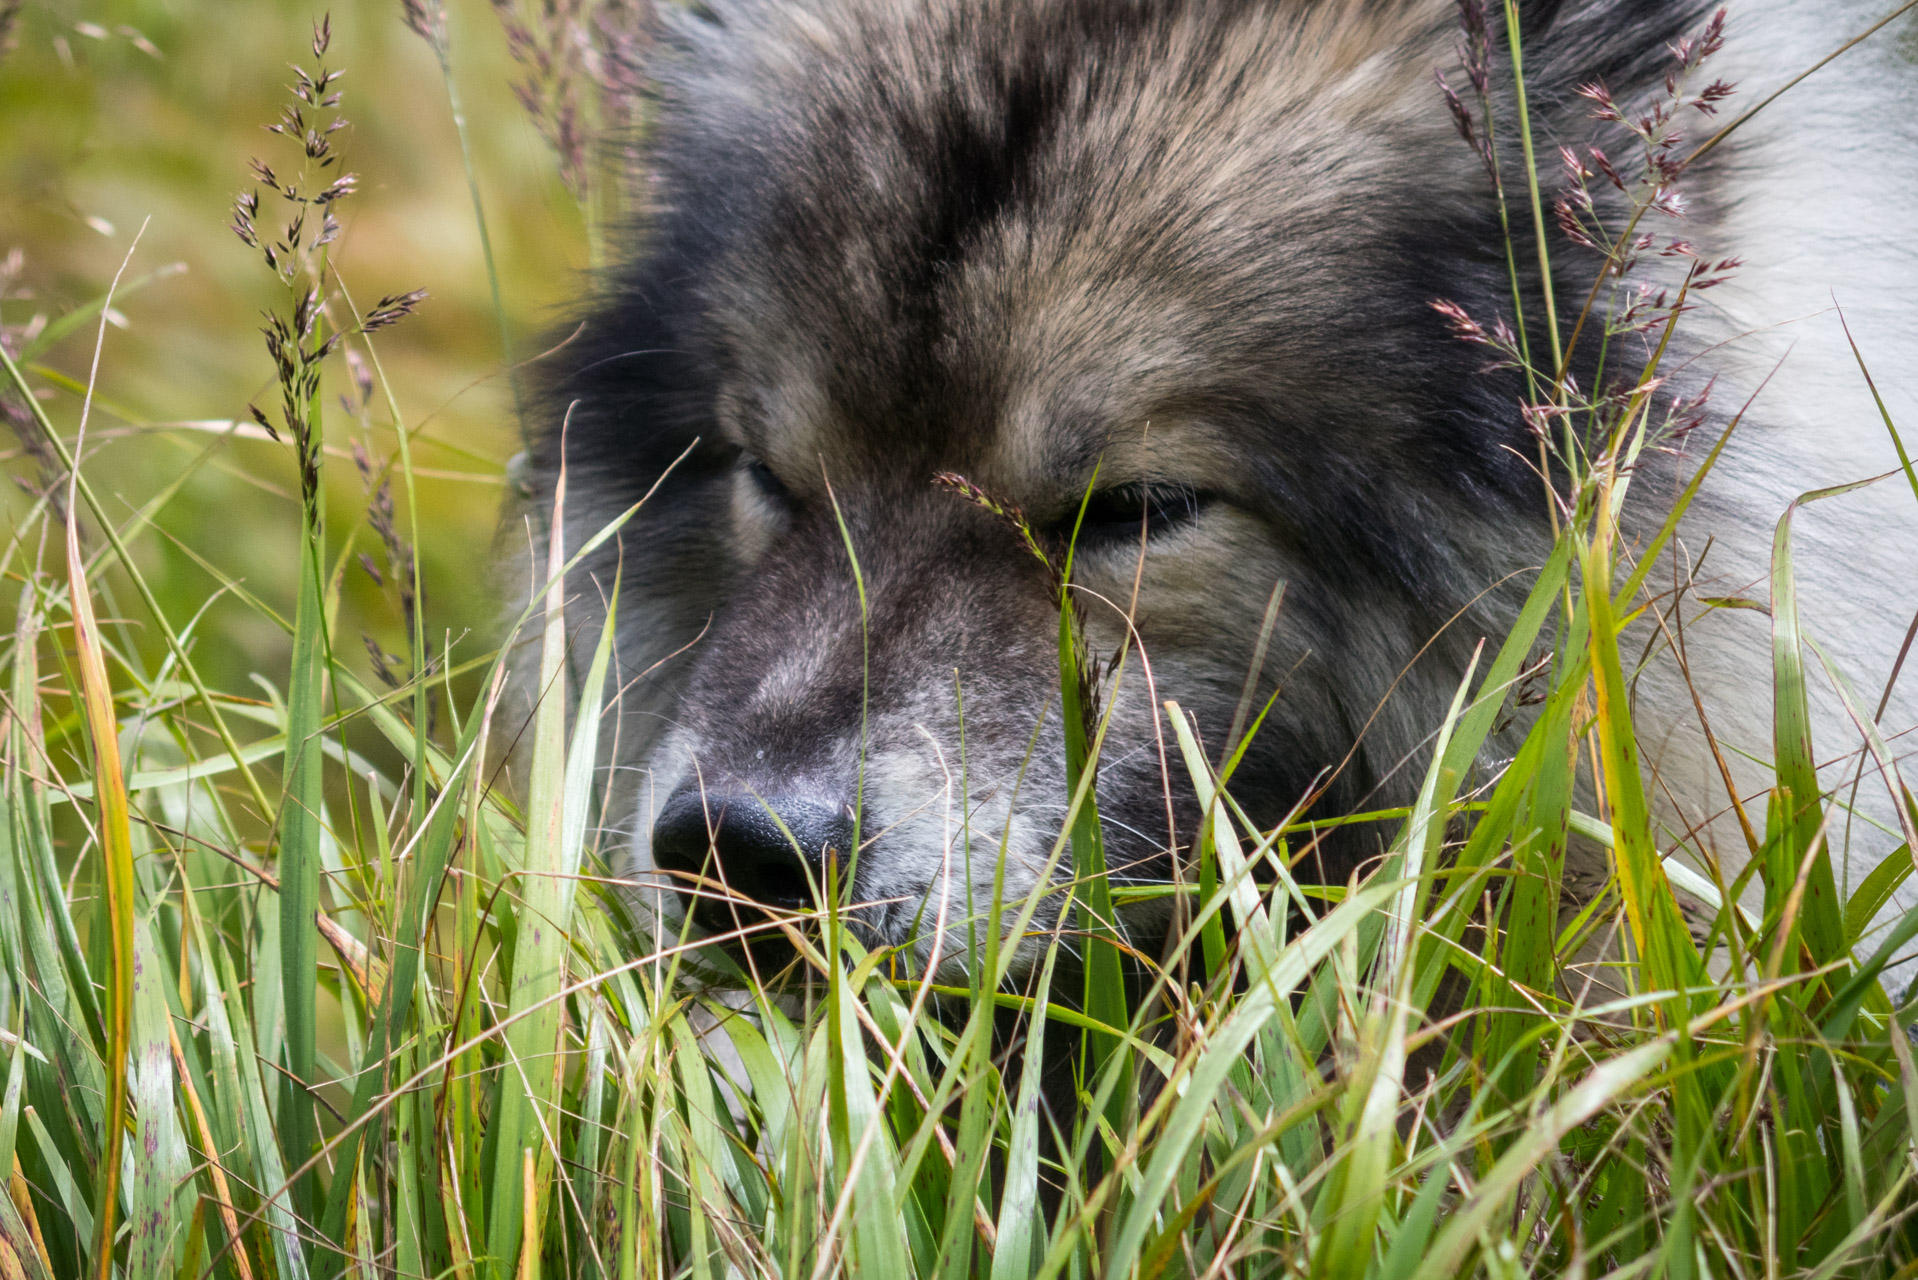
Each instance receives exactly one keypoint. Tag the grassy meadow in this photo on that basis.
(294, 982)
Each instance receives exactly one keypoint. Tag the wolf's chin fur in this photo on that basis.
(1190, 243)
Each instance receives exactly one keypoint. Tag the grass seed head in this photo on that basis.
(580, 77)
(426, 18)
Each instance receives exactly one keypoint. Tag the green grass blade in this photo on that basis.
(51, 944)
(1475, 726)
(1822, 917)
(426, 872)
(1424, 831)
(587, 1141)
(1018, 1232)
(1850, 1155)
(1874, 891)
(1350, 1203)
(257, 1122)
(300, 863)
(1877, 888)
(1884, 413)
(557, 811)
(868, 1169)
(1415, 1228)
(1671, 962)
(1541, 781)
(1515, 45)
(158, 1213)
(1105, 994)
(1236, 889)
(412, 1175)
(10, 1101)
(64, 1191)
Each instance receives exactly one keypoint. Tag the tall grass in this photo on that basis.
(374, 1017)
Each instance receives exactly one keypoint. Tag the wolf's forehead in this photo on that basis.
(1009, 248)
(1019, 392)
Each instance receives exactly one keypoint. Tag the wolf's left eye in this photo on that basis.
(1117, 514)
(767, 483)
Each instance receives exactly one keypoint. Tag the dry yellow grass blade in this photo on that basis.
(116, 847)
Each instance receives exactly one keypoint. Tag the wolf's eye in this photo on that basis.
(767, 483)
(1117, 514)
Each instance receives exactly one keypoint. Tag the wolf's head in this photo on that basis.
(1176, 255)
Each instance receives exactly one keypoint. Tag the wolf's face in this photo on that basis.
(1176, 256)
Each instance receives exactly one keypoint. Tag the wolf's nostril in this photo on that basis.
(771, 850)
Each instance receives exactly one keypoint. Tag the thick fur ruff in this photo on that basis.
(1189, 246)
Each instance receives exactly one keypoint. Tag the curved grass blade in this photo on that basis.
(1822, 923)
(116, 847)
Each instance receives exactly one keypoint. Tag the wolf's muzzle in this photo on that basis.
(727, 849)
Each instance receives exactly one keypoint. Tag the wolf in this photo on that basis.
(1158, 276)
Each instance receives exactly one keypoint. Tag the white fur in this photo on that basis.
(1823, 187)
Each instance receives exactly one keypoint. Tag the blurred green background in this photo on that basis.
(115, 113)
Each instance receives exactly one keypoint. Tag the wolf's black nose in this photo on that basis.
(771, 851)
